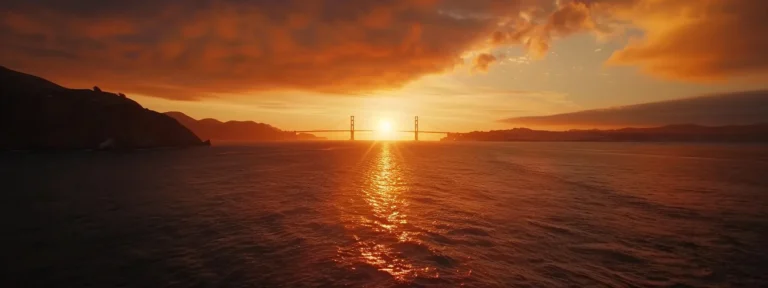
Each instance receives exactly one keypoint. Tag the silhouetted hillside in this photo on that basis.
(237, 130)
(38, 114)
(671, 133)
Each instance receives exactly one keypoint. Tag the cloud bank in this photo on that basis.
(195, 49)
(741, 108)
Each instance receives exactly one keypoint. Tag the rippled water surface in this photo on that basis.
(336, 214)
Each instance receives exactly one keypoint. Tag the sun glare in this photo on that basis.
(385, 126)
(385, 129)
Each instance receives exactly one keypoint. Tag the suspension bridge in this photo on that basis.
(352, 130)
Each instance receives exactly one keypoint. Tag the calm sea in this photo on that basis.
(339, 214)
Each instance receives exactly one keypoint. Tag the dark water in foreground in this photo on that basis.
(390, 214)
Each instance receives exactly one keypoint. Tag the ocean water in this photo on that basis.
(365, 214)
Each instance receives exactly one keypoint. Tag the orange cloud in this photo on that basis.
(482, 62)
(211, 47)
(195, 49)
(699, 40)
(689, 40)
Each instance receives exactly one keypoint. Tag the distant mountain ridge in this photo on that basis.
(236, 130)
(37, 114)
(738, 108)
(669, 133)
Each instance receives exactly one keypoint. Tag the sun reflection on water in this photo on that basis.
(382, 235)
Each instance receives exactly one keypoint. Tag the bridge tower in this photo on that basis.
(416, 128)
(352, 128)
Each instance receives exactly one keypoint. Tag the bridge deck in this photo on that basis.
(352, 130)
(401, 131)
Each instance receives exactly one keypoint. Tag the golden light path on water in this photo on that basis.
(382, 235)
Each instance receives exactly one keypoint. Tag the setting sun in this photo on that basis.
(385, 126)
(385, 130)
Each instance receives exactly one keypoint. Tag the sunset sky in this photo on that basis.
(459, 65)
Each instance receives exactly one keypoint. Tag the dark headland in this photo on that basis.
(40, 115)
